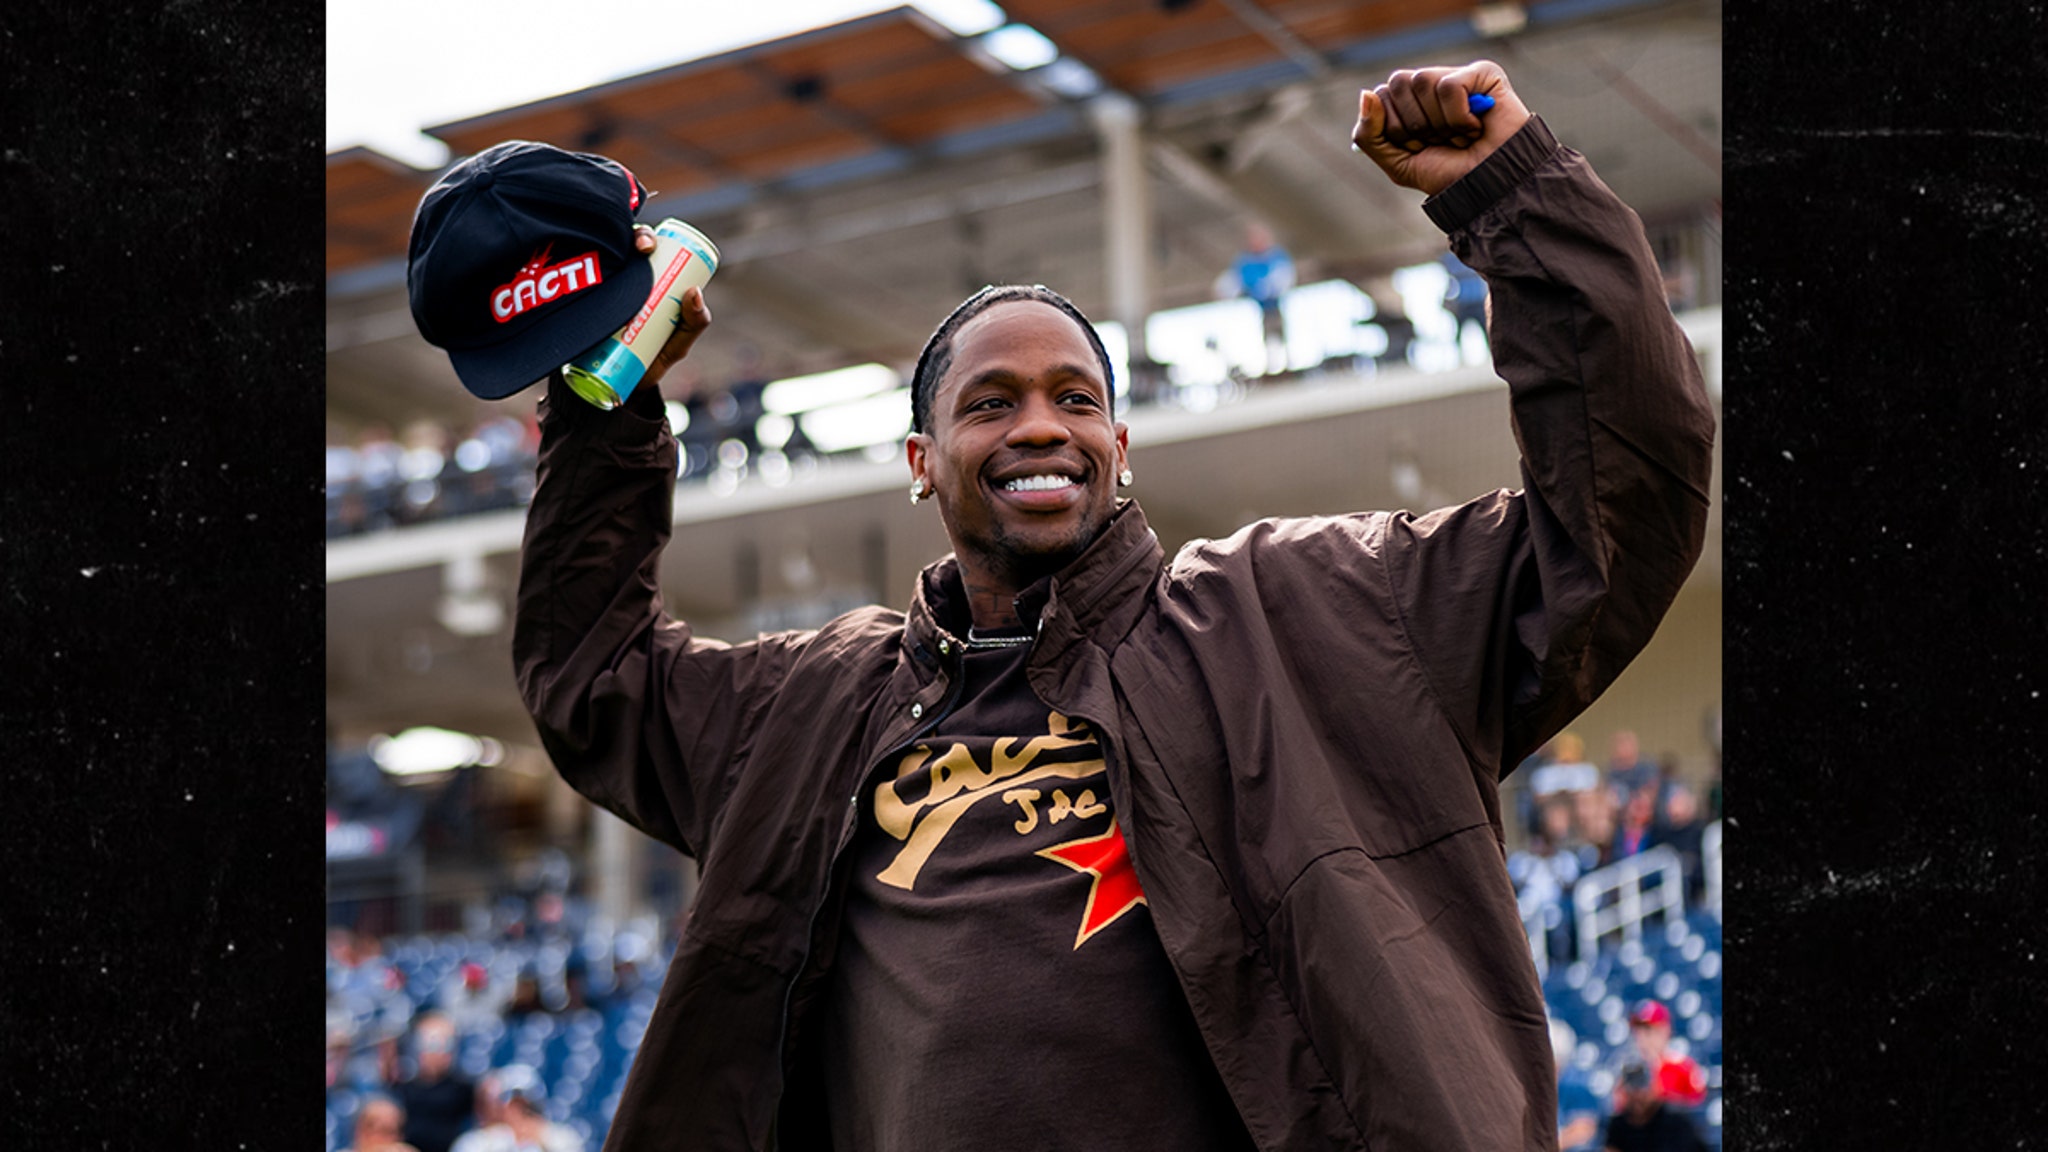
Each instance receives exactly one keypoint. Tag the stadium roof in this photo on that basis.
(862, 177)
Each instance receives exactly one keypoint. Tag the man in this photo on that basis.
(1263, 272)
(378, 1123)
(1627, 772)
(1093, 847)
(1679, 1078)
(437, 1097)
(1679, 826)
(517, 1098)
(1643, 1122)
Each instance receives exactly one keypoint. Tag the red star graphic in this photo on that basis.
(1115, 890)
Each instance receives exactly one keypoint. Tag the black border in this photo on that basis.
(1885, 450)
(160, 511)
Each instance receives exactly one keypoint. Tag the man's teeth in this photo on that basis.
(1038, 483)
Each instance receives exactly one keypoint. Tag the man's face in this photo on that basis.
(377, 1124)
(1651, 1039)
(1023, 452)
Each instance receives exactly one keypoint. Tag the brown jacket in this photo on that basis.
(1304, 724)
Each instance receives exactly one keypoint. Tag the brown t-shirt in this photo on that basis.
(998, 982)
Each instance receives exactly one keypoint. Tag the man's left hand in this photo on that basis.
(1418, 128)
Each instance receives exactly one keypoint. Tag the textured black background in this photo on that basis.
(160, 608)
(160, 603)
(1887, 436)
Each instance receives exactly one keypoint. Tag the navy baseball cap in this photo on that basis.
(522, 258)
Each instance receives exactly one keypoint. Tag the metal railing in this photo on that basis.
(1620, 898)
(1710, 865)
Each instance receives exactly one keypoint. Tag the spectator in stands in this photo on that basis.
(378, 1123)
(1263, 272)
(526, 1000)
(468, 997)
(377, 470)
(340, 1047)
(1643, 1122)
(523, 1126)
(1596, 812)
(1578, 1109)
(1544, 874)
(439, 1100)
(344, 502)
(1564, 772)
(1678, 1078)
(1627, 771)
(1680, 826)
(1638, 817)
(489, 1112)
(1464, 297)
(1392, 317)
(576, 983)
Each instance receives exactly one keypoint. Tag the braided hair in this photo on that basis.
(937, 356)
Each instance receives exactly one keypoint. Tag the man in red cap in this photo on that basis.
(1679, 1079)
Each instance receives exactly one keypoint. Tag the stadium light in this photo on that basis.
(878, 421)
(1071, 78)
(1020, 46)
(964, 17)
(797, 394)
(773, 430)
(1496, 20)
(420, 752)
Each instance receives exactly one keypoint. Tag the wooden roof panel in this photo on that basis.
(1328, 25)
(359, 175)
(370, 202)
(1137, 46)
(866, 47)
(924, 121)
(891, 78)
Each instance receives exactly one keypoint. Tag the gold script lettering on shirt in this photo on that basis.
(958, 783)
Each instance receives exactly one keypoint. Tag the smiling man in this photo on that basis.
(1026, 472)
(1096, 847)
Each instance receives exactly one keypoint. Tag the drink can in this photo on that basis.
(683, 258)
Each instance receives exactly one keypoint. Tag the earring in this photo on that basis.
(1124, 478)
(917, 492)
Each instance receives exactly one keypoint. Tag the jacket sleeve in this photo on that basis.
(640, 716)
(1523, 607)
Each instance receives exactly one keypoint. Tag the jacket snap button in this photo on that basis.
(945, 646)
(916, 710)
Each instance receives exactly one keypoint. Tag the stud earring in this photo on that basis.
(1124, 478)
(917, 492)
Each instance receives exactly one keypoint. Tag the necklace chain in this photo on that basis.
(974, 641)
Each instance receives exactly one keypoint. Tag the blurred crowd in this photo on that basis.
(512, 1038)
(1579, 816)
(1650, 1096)
(385, 481)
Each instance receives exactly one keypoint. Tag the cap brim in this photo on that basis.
(578, 324)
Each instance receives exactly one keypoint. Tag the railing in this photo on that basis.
(1710, 865)
(1633, 901)
(1539, 940)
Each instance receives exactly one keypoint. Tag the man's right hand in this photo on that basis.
(696, 317)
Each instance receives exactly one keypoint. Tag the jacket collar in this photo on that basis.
(1098, 595)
